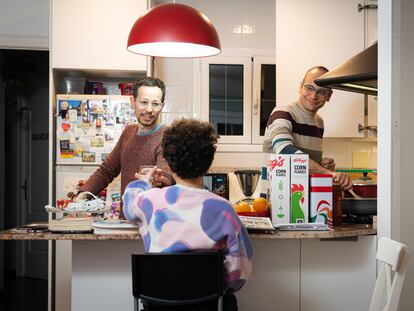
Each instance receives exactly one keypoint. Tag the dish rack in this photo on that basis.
(77, 216)
(97, 206)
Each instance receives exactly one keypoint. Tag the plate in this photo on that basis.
(114, 224)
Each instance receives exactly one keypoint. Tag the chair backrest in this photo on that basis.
(393, 258)
(178, 279)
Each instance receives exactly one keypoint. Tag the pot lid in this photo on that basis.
(364, 181)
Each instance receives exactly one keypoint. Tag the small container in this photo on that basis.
(126, 88)
(94, 88)
(73, 85)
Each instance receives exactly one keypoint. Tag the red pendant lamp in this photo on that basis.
(174, 30)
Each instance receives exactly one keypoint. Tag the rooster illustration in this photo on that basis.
(297, 200)
(323, 211)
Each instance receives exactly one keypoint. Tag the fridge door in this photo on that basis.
(68, 176)
(89, 126)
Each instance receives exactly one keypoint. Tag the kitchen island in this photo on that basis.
(312, 270)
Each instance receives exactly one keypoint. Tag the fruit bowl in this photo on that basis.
(254, 214)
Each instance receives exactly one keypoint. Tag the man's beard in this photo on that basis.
(144, 122)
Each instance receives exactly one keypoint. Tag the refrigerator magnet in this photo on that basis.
(97, 142)
(88, 156)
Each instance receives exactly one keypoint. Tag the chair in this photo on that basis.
(393, 256)
(179, 279)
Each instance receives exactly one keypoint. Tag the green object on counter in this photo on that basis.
(356, 170)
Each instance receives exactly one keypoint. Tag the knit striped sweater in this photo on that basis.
(291, 129)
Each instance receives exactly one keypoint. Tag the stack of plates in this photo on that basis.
(71, 225)
(114, 227)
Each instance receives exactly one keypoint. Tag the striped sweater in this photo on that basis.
(291, 129)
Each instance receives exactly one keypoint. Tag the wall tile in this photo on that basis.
(177, 99)
(258, 23)
(228, 24)
(256, 7)
(230, 40)
(254, 41)
(229, 7)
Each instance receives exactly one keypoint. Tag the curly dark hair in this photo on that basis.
(189, 146)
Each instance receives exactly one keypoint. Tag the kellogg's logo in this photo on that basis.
(299, 160)
(276, 163)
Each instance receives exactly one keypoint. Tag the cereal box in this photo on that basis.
(279, 181)
(299, 182)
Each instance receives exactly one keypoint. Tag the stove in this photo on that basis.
(357, 219)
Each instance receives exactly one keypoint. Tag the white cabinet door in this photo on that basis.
(274, 282)
(337, 275)
(319, 32)
(93, 34)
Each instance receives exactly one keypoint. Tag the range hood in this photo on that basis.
(358, 74)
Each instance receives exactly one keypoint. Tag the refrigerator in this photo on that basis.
(87, 129)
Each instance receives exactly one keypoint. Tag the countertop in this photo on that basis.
(348, 231)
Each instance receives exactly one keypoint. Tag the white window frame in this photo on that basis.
(258, 61)
(247, 91)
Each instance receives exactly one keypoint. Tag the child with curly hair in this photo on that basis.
(186, 217)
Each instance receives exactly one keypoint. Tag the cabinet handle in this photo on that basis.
(256, 104)
(366, 7)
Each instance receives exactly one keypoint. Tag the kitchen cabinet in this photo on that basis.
(237, 96)
(312, 33)
(93, 34)
(337, 275)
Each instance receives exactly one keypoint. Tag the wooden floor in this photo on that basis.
(21, 294)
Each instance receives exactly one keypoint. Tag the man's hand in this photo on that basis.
(342, 179)
(148, 177)
(159, 180)
(328, 163)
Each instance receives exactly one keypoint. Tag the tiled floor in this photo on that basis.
(23, 294)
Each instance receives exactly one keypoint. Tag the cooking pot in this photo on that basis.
(365, 187)
(359, 206)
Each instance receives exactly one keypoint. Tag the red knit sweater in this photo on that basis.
(129, 154)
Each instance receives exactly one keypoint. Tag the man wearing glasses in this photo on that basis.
(297, 128)
(139, 144)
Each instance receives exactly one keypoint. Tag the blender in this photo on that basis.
(247, 181)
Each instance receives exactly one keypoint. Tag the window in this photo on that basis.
(237, 96)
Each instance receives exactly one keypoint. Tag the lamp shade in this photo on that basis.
(174, 30)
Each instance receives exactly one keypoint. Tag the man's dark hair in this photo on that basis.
(321, 68)
(149, 81)
(189, 146)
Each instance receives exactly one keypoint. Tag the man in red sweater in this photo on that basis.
(139, 144)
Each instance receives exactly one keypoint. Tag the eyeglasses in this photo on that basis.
(320, 92)
(154, 104)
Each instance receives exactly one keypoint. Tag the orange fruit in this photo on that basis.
(260, 205)
(242, 207)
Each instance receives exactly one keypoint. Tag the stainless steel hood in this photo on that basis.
(358, 74)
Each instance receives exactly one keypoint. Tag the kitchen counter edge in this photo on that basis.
(347, 231)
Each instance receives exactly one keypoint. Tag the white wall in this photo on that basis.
(24, 24)
(2, 157)
(395, 116)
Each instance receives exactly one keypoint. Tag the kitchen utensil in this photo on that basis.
(364, 187)
(354, 194)
(247, 180)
